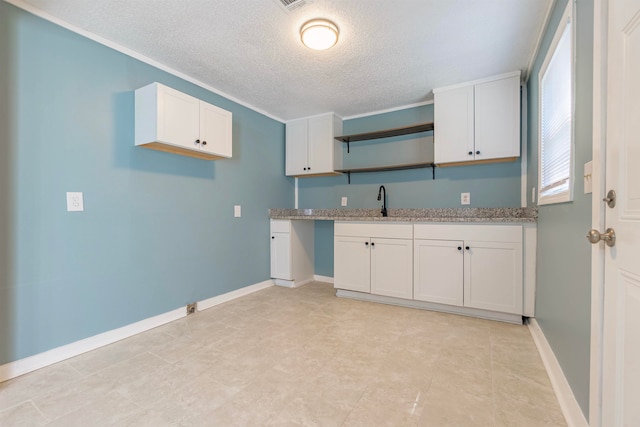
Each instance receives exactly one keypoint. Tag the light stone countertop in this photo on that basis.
(495, 215)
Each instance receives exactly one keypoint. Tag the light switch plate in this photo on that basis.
(343, 202)
(465, 198)
(75, 201)
(588, 177)
(237, 211)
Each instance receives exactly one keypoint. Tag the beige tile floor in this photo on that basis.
(286, 357)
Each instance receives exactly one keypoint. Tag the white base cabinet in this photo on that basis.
(475, 266)
(292, 252)
(172, 121)
(374, 258)
(473, 269)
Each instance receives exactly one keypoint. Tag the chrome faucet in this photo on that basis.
(382, 195)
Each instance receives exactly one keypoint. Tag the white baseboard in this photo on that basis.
(325, 279)
(41, 360)
(37, 361)
(211, 302)
(570, 408)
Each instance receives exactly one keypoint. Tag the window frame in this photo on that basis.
(568, 17)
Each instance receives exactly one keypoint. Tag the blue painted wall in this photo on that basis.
(158, 230)
(490, 185)
(563, 299)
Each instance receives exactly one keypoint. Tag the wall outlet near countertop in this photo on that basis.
(465, 198)
(343, 202)
(237, 211)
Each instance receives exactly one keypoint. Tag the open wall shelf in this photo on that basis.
(389, 168)
(387, 133)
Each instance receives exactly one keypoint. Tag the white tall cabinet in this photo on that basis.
(310, 146)
(374, 258)
(478, 121)
(172, 121)
(292, 252)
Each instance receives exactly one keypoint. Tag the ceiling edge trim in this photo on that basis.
(135, 55)
(536, 47)
(389, 110)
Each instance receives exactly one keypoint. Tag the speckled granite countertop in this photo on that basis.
(508, 215)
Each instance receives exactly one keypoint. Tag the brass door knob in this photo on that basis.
(609, 236)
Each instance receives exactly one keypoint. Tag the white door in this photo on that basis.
(281, 256)
(497, 119)
(215, 130)
(493, 276)
(454, 125)
(178, 118)
(438, 268)
(391, 267)
(351, 263)
(320, 144)
(621, 329)
(296, 148)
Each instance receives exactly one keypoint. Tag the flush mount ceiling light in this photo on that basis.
(319, 34)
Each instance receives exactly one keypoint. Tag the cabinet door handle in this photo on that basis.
(304, 169)
(197, 141)
(373, 244)
(366, 243)
(204, 142)
(466, 247)
(478, 152)
(273, 237)
(471, 153)
(459, 248)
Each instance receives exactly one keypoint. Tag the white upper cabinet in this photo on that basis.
(171, 121)
(478, 121)
(311, 148)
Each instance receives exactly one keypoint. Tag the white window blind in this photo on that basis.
(556, 117)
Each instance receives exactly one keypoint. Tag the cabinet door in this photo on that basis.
(493, 276)
(281, 256)
(296, 148)
(454, 125)
(391, 267)
(497, 119)
(215, 130)
(351, 263)
(438, 271)
(178, 118)
(320, 144)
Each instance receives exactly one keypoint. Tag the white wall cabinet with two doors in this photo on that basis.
(172, 121)
(478, 121)
(311, 148)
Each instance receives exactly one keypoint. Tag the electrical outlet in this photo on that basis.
(237, 211)
(74, 202)
(465, 198)
(533, 195)
(192, 308)
(343, 202)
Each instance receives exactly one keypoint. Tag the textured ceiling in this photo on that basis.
(390, 53)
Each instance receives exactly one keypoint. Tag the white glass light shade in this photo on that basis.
(319, 34)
